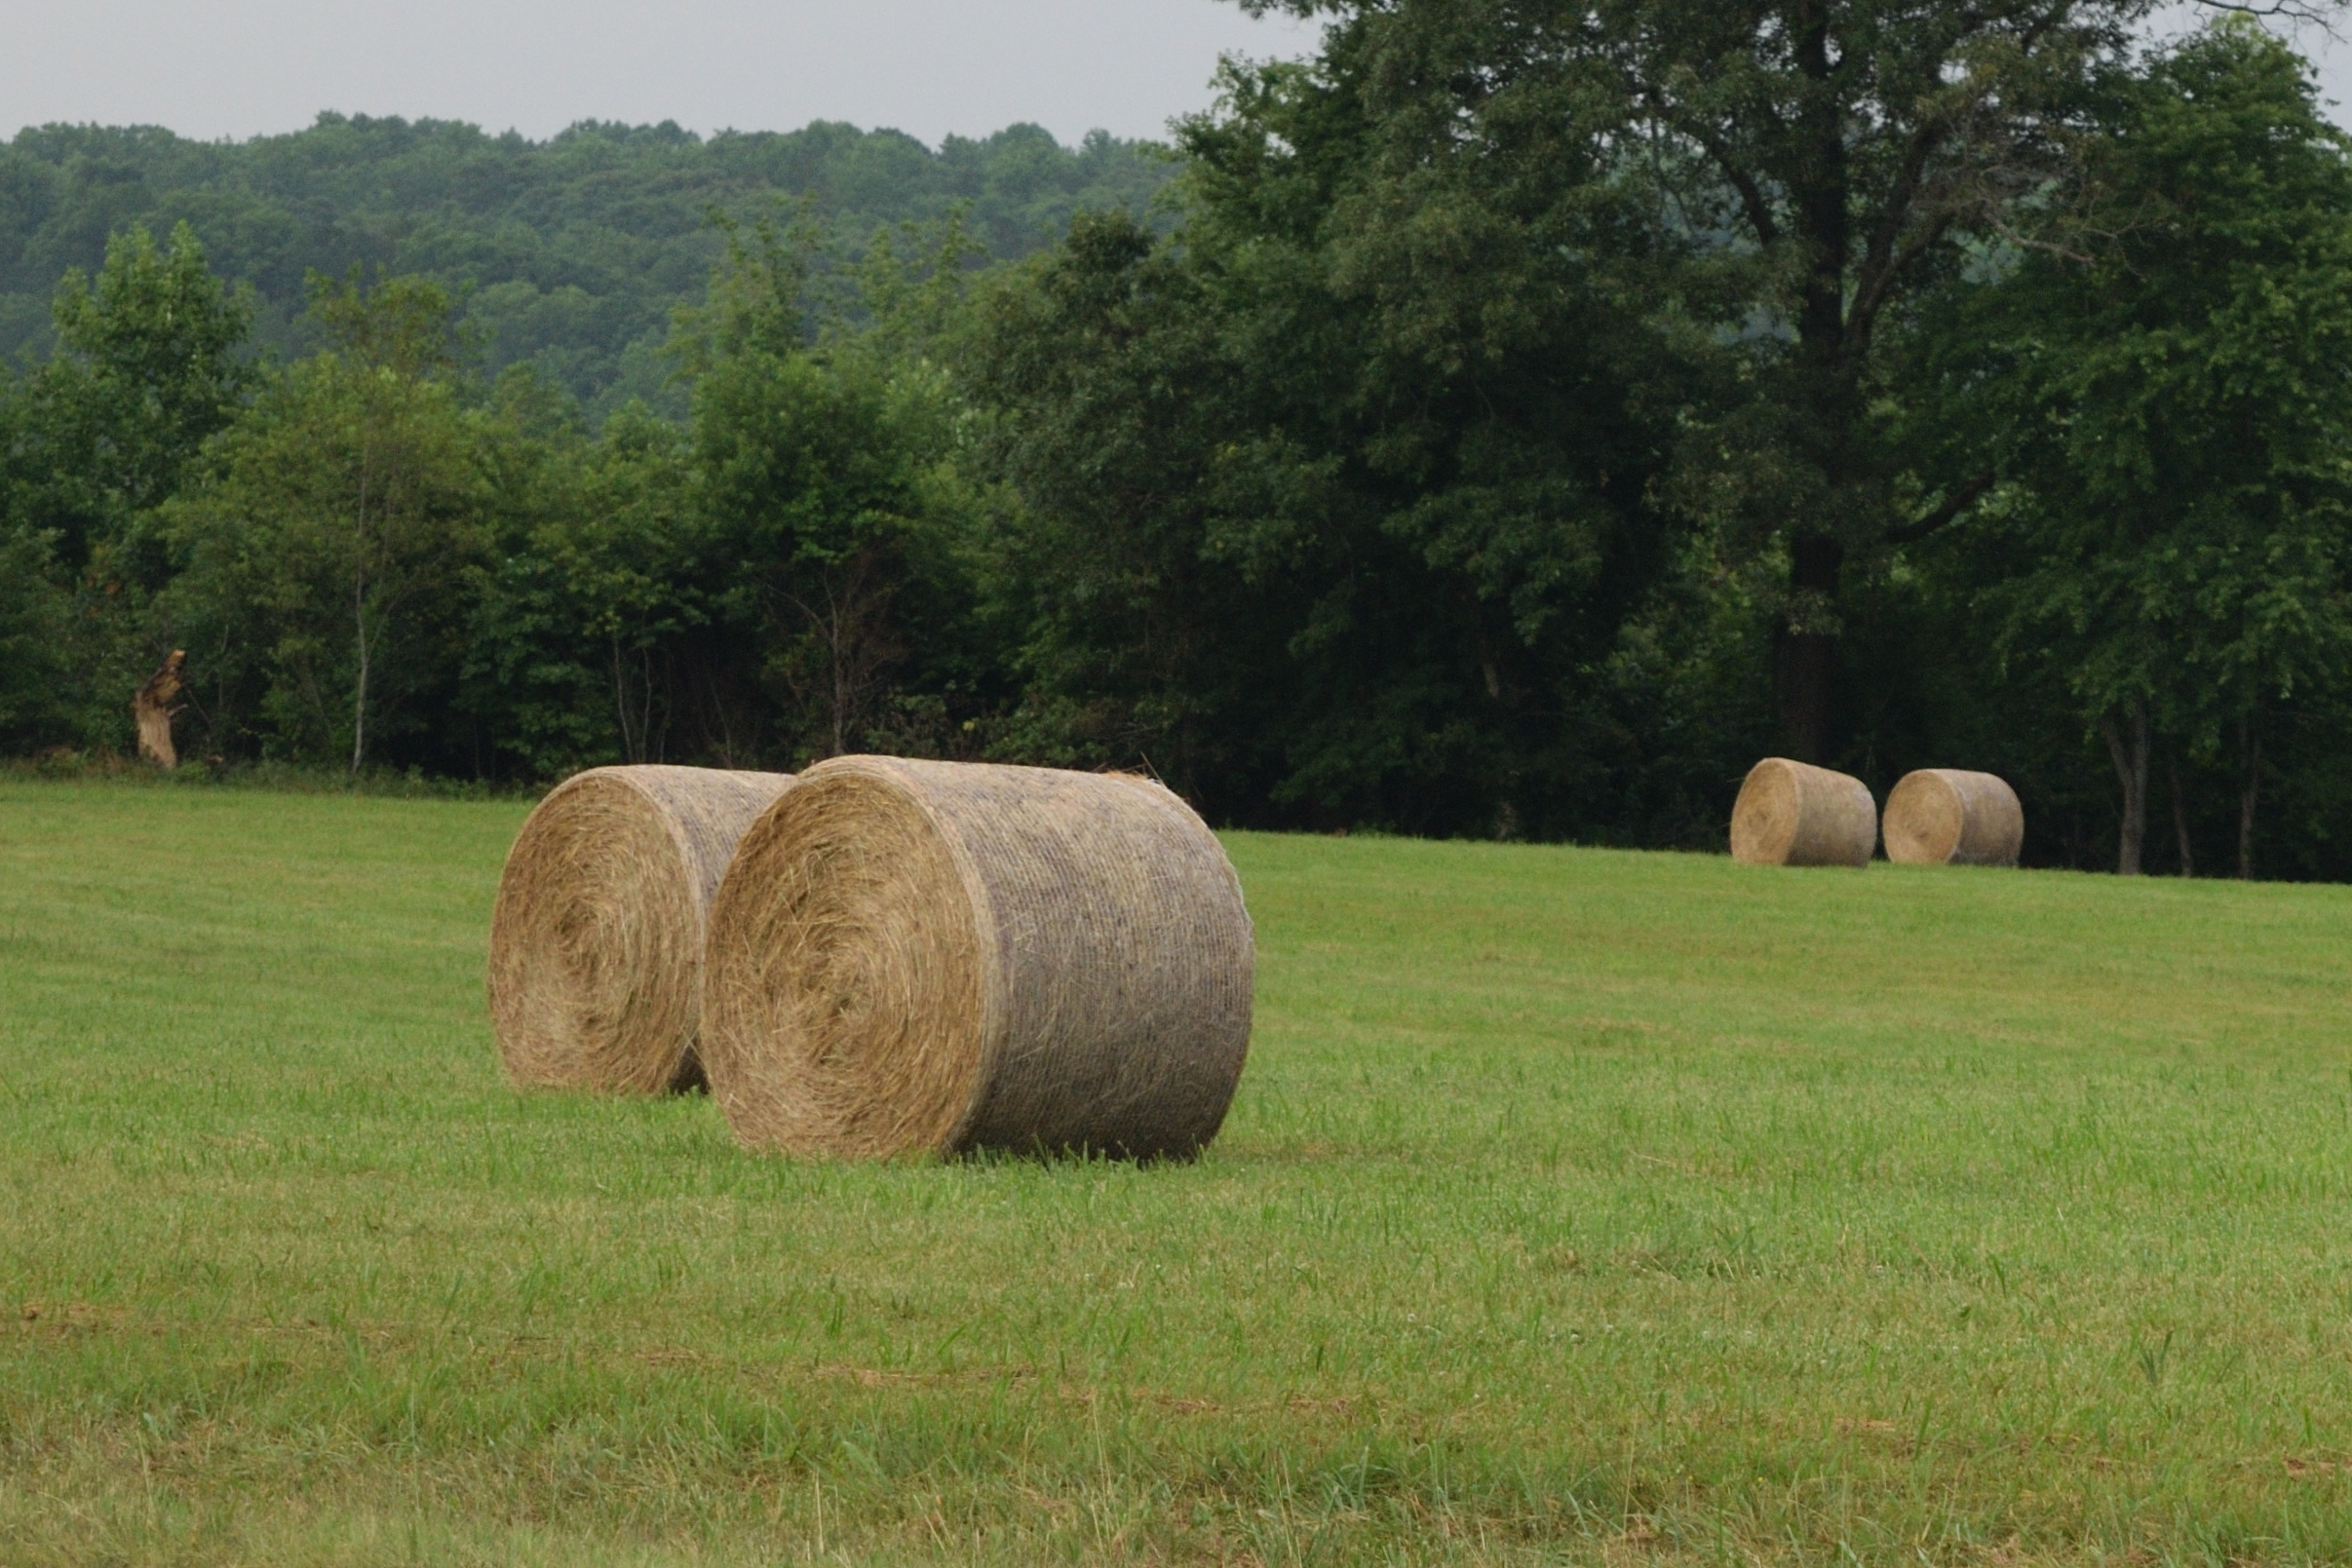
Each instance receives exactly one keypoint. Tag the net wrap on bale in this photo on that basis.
(1793, 814)
(1952, 817)
(596, 940)
(938, 957)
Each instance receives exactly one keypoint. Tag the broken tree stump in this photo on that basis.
(152, 708)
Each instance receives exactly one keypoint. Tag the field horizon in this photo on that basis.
(1577, 1205)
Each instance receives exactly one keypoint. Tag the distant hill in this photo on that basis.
(570, 252)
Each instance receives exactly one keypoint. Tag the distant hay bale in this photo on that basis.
(596, 942)
(1950, 816)
(938, 957)
(1794, 814)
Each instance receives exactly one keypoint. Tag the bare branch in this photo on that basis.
(1882, 263)
(1960, 500)
(2009, 235)
(1751, 194)
(2320, 13)
(1871, 294)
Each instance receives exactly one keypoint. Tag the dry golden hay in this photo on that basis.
(1794, 814)
(937, 957)
(596, 943)
(1950, 816)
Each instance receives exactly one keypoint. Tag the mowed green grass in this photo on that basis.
(1576, 1206)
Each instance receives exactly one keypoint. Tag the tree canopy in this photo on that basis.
(2164, 385)
(567, 254)
(1803, 172)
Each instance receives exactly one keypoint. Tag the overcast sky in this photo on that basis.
(2332, 57)
(236, 67)
(930, 68)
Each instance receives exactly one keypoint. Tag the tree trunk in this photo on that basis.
(630, 747)
(152, 711)
(836, 645)
(359, 592)
(2250, 755)
(2172, 769)
(359, 699)
(1805, 652)
(2127, 748)
(1820, 198)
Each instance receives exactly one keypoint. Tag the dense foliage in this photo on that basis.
(567, 254)
(1518, 420)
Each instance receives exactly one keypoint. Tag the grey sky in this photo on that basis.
(237, 67)
(2332, 57)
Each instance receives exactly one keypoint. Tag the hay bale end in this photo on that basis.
(597, 939)
(1952, 817)
(1793, 814)
(936, 957)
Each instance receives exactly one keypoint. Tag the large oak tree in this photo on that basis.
(1818, 165)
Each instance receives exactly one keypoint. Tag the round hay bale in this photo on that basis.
(1951, 817)
(938, 957)
(1794, 814)
(596, 942)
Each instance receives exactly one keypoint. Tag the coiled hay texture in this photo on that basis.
(1950, 816)
(597, 941)
(1794, 814)
(938, 957)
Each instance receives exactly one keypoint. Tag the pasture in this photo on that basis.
(1577, 1207)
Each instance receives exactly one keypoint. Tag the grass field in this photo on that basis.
(1577, 1207)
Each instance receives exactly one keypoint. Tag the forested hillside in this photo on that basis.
(568, 254)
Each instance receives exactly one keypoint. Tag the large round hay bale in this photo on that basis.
(596, 940)
(938, 957)
(1794, 814)
(1951, 817)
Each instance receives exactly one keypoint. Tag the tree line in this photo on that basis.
(1523, 418)
(567, 254)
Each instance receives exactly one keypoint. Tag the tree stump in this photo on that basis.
(152, 708)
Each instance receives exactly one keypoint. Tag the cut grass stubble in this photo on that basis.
(1576, 1205)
